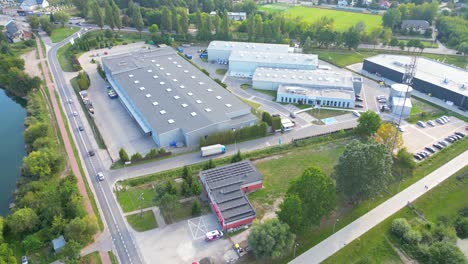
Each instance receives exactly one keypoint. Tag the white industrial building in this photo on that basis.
(221, 50)
(400, 99)
(244, 63)
(314, 87)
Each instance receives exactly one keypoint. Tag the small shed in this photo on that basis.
(58, 244)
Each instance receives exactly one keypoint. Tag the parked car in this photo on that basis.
(91, 153)
(80, 128)
(416, 156)
(446, 118)
(358, 106)
(380, 96)
(440, 121)
(460, 134)
(421, 124)
(100, 176)
(74, 113)
(437, 146)
(358, 99)
(356, 114)
(431, 123)
(24, 260)
(449, 139)
(443, 143)
(431, 150)
(457, 136)
(213, 235)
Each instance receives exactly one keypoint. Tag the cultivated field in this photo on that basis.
(343, 20)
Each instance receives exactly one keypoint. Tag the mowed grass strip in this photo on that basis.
(444, 200)
(142, 222)
(61, 33)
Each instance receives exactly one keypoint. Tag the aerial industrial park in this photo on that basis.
(234, 132)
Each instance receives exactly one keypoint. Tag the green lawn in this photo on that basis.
(426, 43)
(221, 71)
(128, 199)
(277, 171)
(92, 258)
(424, 111)
(183, 212)
(113, 258)
(245, 86)
(267, 92)
(61, 33)
(64, 59)
(343, 20)
(142, 222)
(326, 113)
(374, 246)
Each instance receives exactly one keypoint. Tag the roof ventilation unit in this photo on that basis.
(170, 121)
(184, 105)
(162, 112)
(155, 103)
(130, 75)
(155, 76)
(193, 114)
(148, 95)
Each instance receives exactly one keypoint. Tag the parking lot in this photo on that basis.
(115, 124)
(416, 138)
(184, 242)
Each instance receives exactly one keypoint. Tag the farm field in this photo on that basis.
(343, 20)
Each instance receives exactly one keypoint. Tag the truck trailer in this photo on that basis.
(212, 150)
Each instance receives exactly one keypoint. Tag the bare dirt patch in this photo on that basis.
(31, 64)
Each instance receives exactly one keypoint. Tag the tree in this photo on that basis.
(363, 170)
(153, 29)
(23, 220)
(186, 172)
(109, 15)
(374, 35)
(196, 208)
(270, 239)
(225, 26)
(61, 17)
(369, 123)
(394, 42)
(209, 165)
(6, 254)
(71, 251)
(168, 203)
(116, 15)
(31, 243)
(388, 135)
(98, 15)
(136, 157)
(291, 213)
(170, 188)
(196, 188)
(445, 252)
(391, 18)
(166, 19)
(307, 47)
(33, 22)
(236, 158)
(400, 227)
(46, 25)
(351, 38)
(404, 163)
(42, 163)
(386, 36)
(123, 155)
(317, 194)
(137, 19)
(81, 230)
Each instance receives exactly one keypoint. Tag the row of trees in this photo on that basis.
(392, 17)
(454, 32)
(152, 154)
(231, 136)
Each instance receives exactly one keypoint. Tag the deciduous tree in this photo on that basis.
(388, 135)
(33, 22)
(123, 155)
(23, 220)
(270, 239)
(291, 213)
(369, 123)
(137, 19)
(391, 18)
(98, 14)
(61, 17)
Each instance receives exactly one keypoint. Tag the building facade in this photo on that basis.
(171, 100)
(34, 4)
(221, 50)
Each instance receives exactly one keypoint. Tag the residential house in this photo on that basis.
(416, 25)
(342, 3)
(383, 4)
(237, 16)
(58, 244)
(15, 32)
(33, 4)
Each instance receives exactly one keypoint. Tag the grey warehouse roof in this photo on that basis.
(315, 78)
(437, 73)
(419, 24)
(224, 184)
(311, 92)
(268, 57)
(171, 93)
(248, 46)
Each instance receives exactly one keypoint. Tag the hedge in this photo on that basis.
(230, 136)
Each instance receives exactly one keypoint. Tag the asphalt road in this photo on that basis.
(121, 237)
(340, 239)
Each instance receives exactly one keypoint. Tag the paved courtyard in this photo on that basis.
(184, 242)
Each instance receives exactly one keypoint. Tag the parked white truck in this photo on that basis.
(212, 150)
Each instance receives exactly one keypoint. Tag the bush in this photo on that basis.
(83, 80)
(400, 227)
(162, 151)
(266, 117)
(209, 165)
(237, 157)
(220, 83)
(276, 123)
(196, 208)
(462, 227)
(151, 154)
(229, 136)
(412, 237)
(101, 71)
(136, 157)
(123, 155)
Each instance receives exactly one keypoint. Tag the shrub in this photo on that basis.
(185, 189)
(237, 157)
(123, 155)
(276, 123)
(400, 227)
(209, 165)
(136, 157)
(196, 208)
(266, 117)
(229, 136)
(101, 71)
(83, 80)
(151, 154)
(462, 227)
(162, 151)
(412, 237)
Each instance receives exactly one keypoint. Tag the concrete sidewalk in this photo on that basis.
(340, 239)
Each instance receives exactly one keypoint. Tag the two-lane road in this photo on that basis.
(121, 236)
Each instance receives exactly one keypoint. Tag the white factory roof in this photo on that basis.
(316, 78)
(316, 92)
(401, 87)
(249, 46)
(274, 58)
(400, 101)
(441, 74)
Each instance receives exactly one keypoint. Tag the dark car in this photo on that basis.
(358, 99)
(431, 150)
(449, 139)
(91, 153)
(416, 156)
(81, 128)
(437, 146)
(460, 134)
(443, 143)
(359, 106)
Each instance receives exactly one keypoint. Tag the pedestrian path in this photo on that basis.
(340, 239)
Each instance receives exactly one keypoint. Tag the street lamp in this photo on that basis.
(235, 139)
(336, 221)
(140, 198)
(295, 245)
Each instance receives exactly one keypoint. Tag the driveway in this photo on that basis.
(184, 242)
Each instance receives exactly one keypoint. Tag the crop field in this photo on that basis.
(343, 20)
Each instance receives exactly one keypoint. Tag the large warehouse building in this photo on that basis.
(221, 50)
(440, 80)
(244, 63)
(226, 188)
(322, 87)
(171, 100)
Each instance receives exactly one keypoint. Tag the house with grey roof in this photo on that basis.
(15, 32)
(33, 4)
(416, 25)
(171, 100)
(226, 188)
(58, 244)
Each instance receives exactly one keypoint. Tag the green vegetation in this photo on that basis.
(267, 92)
(454, 32)
(61, 33)
(113, 258)
(245, 86)
(184, 211)
(343, 20)
(271, 239)
(83, 80)
(91, 258)
(424, 111)
(425, 43)
(142, 222)
(97, 135)
(128, 199)
(326, 113)
(375, 246)
(221, 71)
(230, 136)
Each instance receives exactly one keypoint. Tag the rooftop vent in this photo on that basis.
(184, 105)
(155, 103)
(161, 68)
(169, 58)
(142, 88)
(148, 95)
(189, 93)
(218, 97)
(170, 121)
(162, 112)
(201, 83)
(157, 65)
(193, 77)
(193, 114)
(153, 61)
(175, 62)
(228, 105)
(161, 83)
(130, 75)
(198, 101)
(174, 80)
(182, 86)
(209, 90)
(186, 71)
(155, 76)
(176, 97)
(150, 70)
(136, 81)
(168, 89)
(207, 109)
(168, 73)
(179, 66)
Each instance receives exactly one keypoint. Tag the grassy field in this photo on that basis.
(425, 111)
(128, 199)
(343, 20)
(374, 246)
(61, 33)
(183, 212)
(143, 222)
(63, 59)
(221, 71)
(92, 258)
(113, 258)
(326, 113)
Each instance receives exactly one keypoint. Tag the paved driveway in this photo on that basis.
(184, 242)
